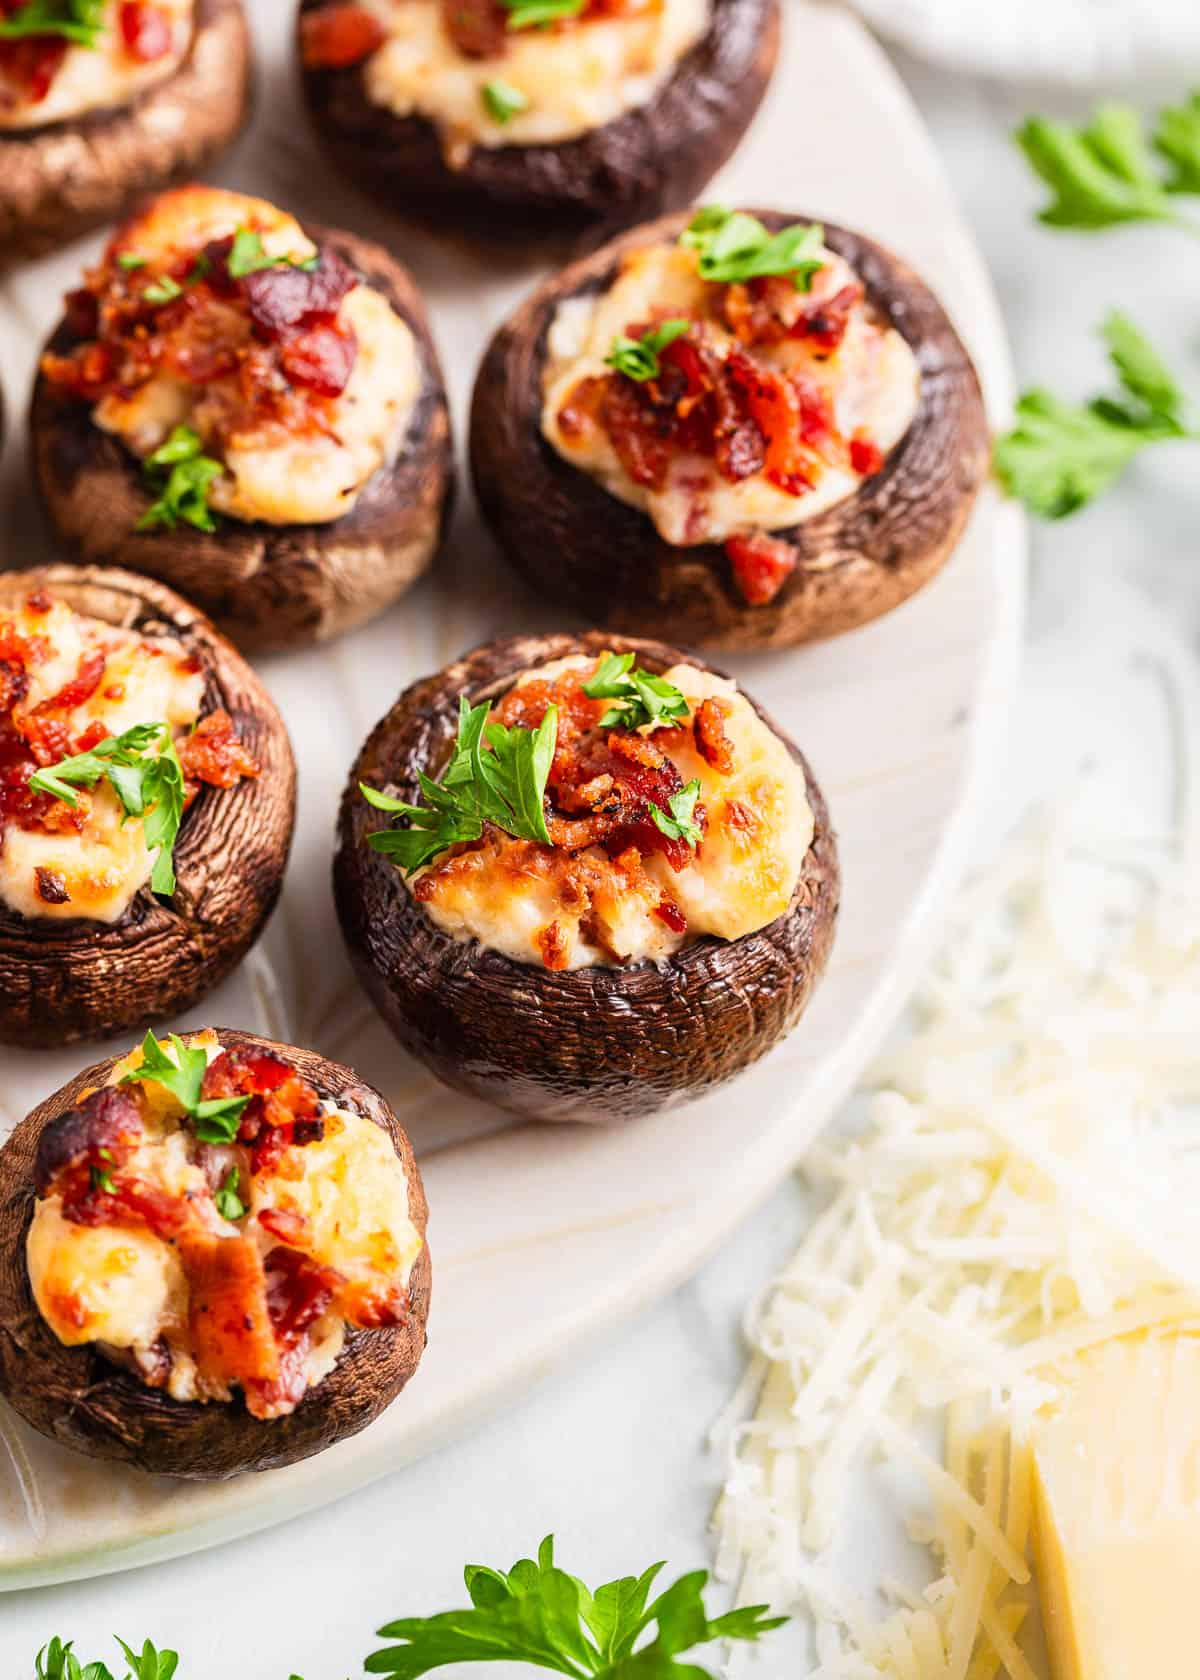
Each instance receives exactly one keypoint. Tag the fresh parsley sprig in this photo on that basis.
(496, 775)
(143, 770)
(57, 1661)
(226, 1199)
(641, 697)
(637, 358)
(678, 821)
(1105, 171)
(502, 101)
(1060, 455)
(79, 21)
(733, 246)
(536, 14)
(248, 256)
(538, 1614)
(215, 1119)
(183, 474)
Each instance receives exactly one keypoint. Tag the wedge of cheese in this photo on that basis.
(1118, 1512)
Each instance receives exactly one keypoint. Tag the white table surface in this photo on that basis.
(610, 1454)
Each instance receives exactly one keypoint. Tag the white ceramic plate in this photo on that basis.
(543, 1236)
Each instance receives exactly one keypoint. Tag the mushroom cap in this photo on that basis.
(576, 543)
(651, 158)
(62, 981)
(584, 1044)
(81, 1399)
(268, 587)
(60, 180)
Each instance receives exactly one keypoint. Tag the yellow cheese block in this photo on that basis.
(1118, 1512)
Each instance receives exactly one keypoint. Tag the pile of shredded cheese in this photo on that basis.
(1025, 1185)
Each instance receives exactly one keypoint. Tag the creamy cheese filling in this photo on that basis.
(741, 877)
(126, 1287)
(872, 380)
(569, 81)
(103, 866)
(99, 77)
(284, 480)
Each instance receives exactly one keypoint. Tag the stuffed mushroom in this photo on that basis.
(101, 100)
(751, 430)
(147, 800)
(212, 1257)
(251, 412)
(560, 112)
(583, 877)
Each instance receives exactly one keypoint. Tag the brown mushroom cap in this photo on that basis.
(62, 981)
(649, 159)
(61, 179)
(79, 1398)
(266, 586)
(585, 1044)
(578, 544)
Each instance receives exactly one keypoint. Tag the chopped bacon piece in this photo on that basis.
(289, 296)
(478, 28)
(81, 687)
(31, 63)
(761, 565)
(712, 743)
(551, 941)
(336, 37)
(865, 457)
(145, 31)
(774, 406)
(286, 1224)
(229, 1319)
(51, 886)
(669, 912)
(108, 1119)
(299, 1291)
(213, 754)
(322, 358)
(374, 1306)
(282, 1109)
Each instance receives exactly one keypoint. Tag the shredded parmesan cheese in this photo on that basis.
(1023, 1189)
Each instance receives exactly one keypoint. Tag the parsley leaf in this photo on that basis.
(1061, 455)
(78, 21)
(678, 821)
(183, 473)
(248, 256)
(637, 358)
(734, 246)
(1104, 173)
(641, 696)
(129, 261)
(502, 101)
(228, 1203)
(148, 784)
(216, 1118)
(152, 1664)
(537, 1613)
(163, 290)
(532, 14)
(496, 775)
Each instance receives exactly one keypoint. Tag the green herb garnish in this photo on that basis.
(149, 784)
(182, 472)
(534, 14)
(1060, 455)
(151, 1664)
(247, 256)
(637, 358)
(678, 822)
(162, 290)
(228, 1203)
(101, 1177)
(641, 696)
(538, 1614)
(216, 1118)
(129, 260)
(78, 21)
(496, 775)
(502, 101)
(1105, 172)
(734, 246)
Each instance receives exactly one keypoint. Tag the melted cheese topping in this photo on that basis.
(105, 865)
(287, 481)
(573, 81)
(872, 379)
(740, 878)
(99, 77)
(127, 1288)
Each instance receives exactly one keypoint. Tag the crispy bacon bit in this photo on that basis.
(336, 37)
(669, 912)
(373, 1306)
(322, 358)
(478, 28)
(761, 565)
(769, 309)
(213, 754)
(108, 1119)
(229, 1320)
(288, 297)
(145, 31)
(712, 743)
(739, 815)
(31, 63)
(51, 886)
(290, 1227)
(865, 457)
(551, 941)
(281, 1102)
